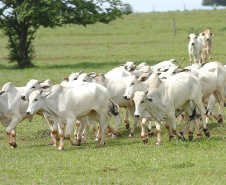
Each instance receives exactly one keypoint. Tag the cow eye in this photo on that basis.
(132, 83)
(142, 101)
(75, 78)
(36, 99)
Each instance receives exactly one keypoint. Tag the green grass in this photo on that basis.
(99, 48)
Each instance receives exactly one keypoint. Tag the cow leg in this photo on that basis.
(69, 128)
(103, 126)
(118, 121)
(9, 129)
(53, 128)
(167, 125)
(143, 134)
(172, 121)
(95, 128)
(198, 103)
(61, 132)
(150, 132)
(14, 135)
(77, 124)
(220, 99)
(126, 120)
(210, 55)
(134, 120)
(158, 128)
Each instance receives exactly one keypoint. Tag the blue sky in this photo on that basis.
(165, 5)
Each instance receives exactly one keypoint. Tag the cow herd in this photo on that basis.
(157, 93)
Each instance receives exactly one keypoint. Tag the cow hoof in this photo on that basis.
(60, 148)
(126, 124)
(96, 140)
(13, 145)
(220, 120)
(190, 138)
(119, 134)
(199, 136)
(131, 135)
(100, 145)
(145, 140)
(151, 134)
(157, 143)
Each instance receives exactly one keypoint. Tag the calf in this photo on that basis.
(195, 48)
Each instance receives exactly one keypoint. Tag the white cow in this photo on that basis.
(212, 78)
(207, 41)
(66, 104)
(117, 72)
(12, 110)
(72, 77)
(165, 98)
(163, 66)
(195, 48)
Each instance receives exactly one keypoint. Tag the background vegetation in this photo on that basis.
(99, 48)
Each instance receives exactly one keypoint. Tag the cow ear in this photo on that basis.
(43, 95)
(81, 71)
(212, 34)
(132, 69)
(166, 70)
(92, 74)
(143, 78)
(45, 87)
(150, 99)
(2, 92)
(66, 79)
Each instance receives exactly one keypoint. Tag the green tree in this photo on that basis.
(214, 2)
(20, 19)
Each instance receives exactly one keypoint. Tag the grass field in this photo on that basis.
(123, 160)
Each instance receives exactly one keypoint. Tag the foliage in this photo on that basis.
(20, 20)
(214, 2)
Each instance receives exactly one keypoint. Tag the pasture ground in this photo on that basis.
(123, 160)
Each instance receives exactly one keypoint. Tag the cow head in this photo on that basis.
(35, 101)
(130, 66)
(87, 77)
(192, 38)
(141, 100)
(74, 76)
(135, 83)
(33, 85)
(208, 34)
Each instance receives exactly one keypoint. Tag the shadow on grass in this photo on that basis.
(80, 65)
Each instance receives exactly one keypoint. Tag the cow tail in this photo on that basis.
(192, 117)
(174, 60)
(112, 107)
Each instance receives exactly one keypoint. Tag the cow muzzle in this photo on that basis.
(23, 97)
(28, 112)
(137, 115)
(125, 97)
